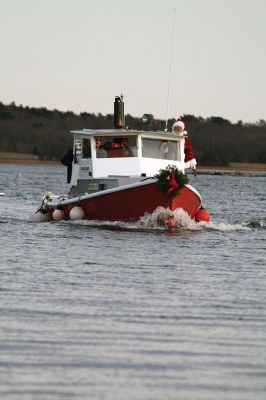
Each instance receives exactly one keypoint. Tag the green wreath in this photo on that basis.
(163, 180)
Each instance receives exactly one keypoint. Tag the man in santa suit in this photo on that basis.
(190, 160)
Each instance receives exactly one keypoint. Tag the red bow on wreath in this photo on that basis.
(172, 183)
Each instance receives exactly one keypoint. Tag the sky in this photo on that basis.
(77, 55)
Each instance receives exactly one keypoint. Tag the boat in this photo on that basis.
(121, 174)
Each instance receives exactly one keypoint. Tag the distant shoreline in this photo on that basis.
(23, 158)
(247, 169)
(232, 169)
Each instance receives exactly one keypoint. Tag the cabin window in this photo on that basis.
(162, 149)
(86, 148)
(113, 147)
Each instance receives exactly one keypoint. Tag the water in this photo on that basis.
(132, 311)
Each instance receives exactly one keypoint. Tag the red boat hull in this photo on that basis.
(132, 203)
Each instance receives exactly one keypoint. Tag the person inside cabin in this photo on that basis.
(190, 160)
(98, 143)
(118, 148)
(100, 151)
(125, 150)
(111, 149)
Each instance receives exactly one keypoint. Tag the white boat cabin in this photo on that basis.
(127, 153)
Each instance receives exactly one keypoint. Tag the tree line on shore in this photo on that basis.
(43, 132)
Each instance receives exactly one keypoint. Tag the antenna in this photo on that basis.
(170, 71)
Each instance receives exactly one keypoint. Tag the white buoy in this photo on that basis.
(77, 212)
(40, 217)
(58, 215)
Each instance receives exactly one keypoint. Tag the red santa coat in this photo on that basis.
(189, 155)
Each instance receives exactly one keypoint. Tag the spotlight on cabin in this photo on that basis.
(146, 119)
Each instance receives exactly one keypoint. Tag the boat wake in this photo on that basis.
(181, 222)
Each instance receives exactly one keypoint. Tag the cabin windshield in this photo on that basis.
(162, 149)
(112, 147)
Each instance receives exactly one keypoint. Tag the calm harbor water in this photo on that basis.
(131, 311)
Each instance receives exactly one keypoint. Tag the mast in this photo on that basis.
(170, 72)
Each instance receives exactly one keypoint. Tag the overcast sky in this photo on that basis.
(77, 55)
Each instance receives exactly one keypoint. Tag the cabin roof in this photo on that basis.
(128, 132)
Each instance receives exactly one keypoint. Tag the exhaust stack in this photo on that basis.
(119, 117)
